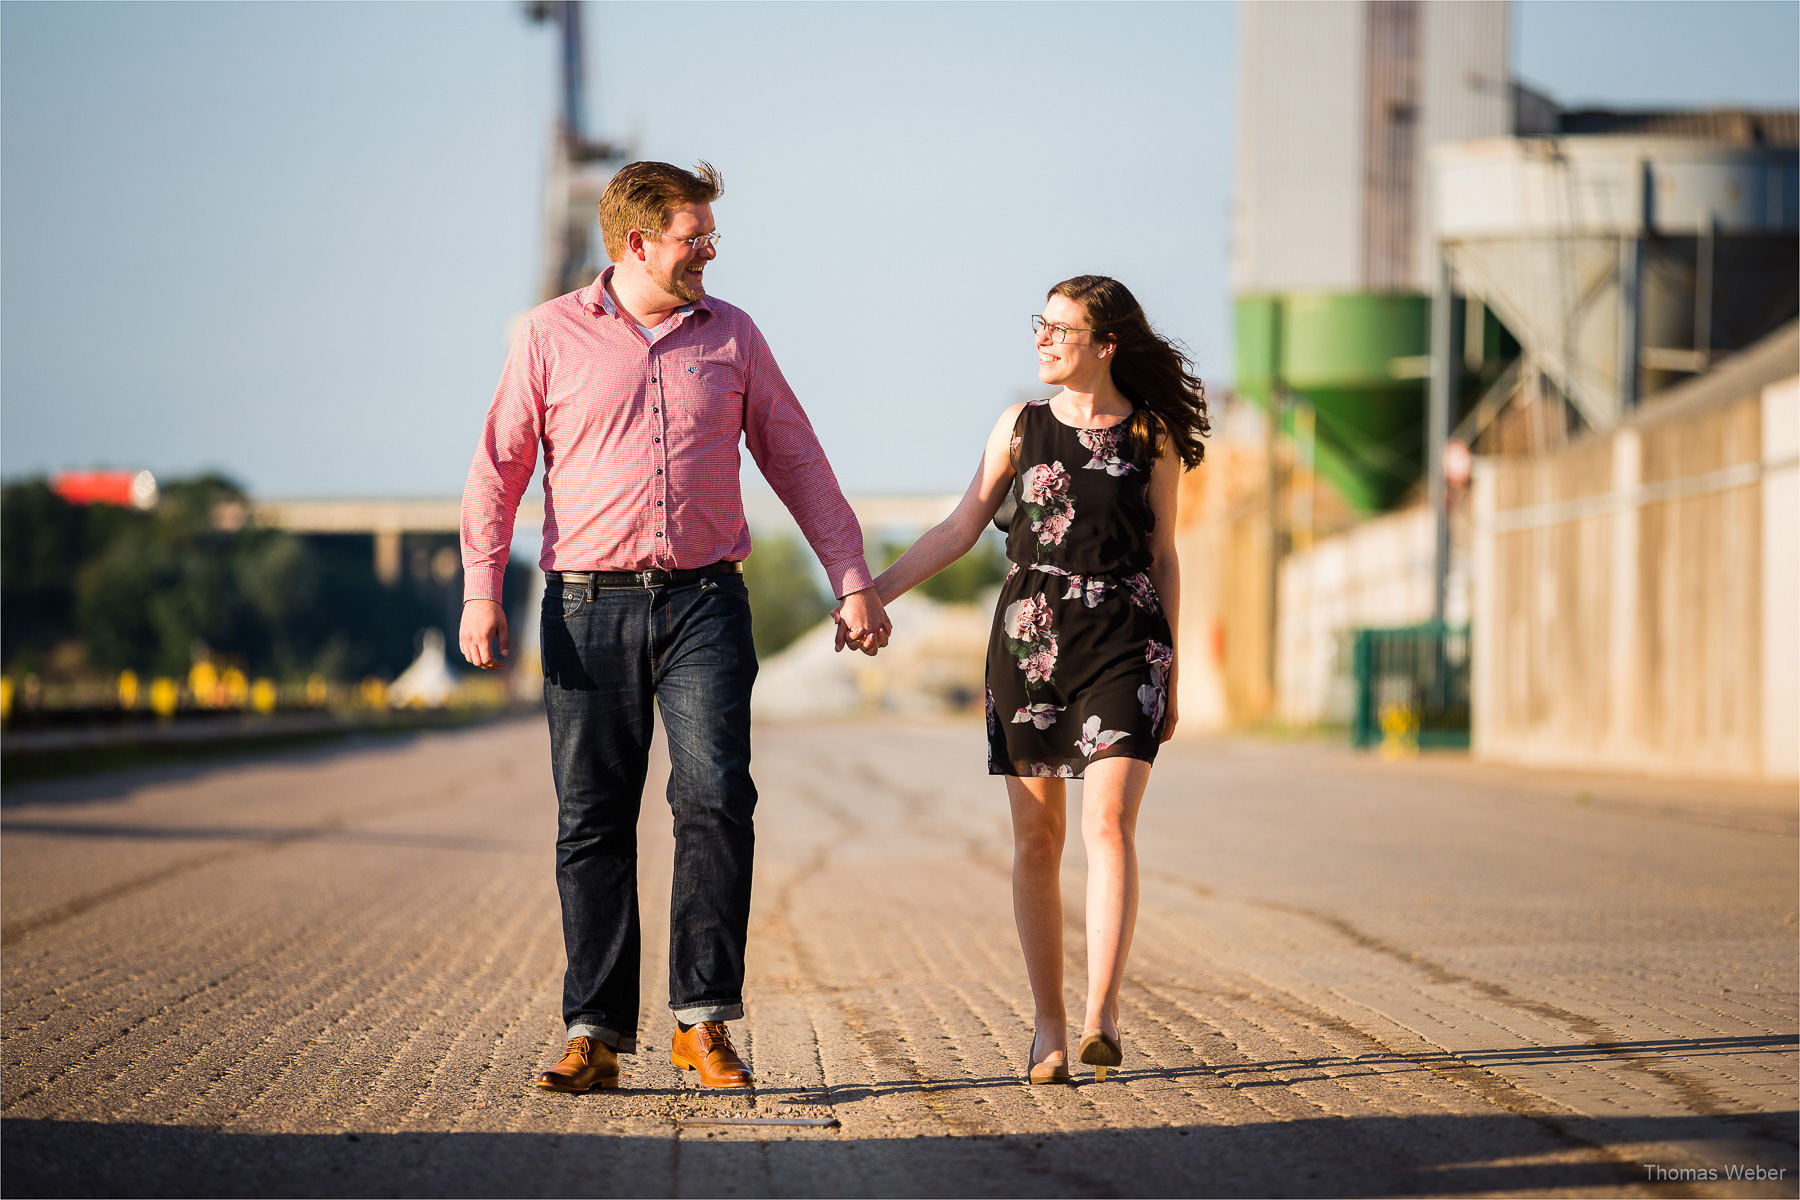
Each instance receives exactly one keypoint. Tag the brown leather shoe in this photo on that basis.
(585, 1065)
(706, 1048)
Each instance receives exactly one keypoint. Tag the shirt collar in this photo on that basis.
(595, 299)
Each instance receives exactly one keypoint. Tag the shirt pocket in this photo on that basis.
(706, 389)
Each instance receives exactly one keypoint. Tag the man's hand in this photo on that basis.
(862, 622)
(483, 622)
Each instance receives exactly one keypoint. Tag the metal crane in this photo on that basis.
(579, 166)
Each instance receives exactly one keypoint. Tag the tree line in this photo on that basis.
(99, 588)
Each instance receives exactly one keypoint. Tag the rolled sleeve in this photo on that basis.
(782, 441)
(502, 468)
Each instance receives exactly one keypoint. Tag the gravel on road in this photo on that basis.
(334, 972)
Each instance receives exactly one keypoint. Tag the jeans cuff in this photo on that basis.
(612, 1039)
(693, 1014)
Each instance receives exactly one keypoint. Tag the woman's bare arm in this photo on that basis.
(957, 533)
(1165, 565)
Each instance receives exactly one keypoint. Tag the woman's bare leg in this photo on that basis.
(1112, 789)
(1040, 817)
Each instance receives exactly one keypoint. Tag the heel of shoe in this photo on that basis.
(1101, 1053)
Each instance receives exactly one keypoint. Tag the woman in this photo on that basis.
(1081, 660)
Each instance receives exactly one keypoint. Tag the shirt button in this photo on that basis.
(659, 533)
(656, 410)
(656, 439)
(659, 470)
(659, 504)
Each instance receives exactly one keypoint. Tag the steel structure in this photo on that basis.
(580, 166)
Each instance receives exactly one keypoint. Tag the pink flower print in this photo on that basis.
(1053, 528)
(1154, 696)
(1013, 445)
(1041, 715)
(1143, 592)
(1105, 445)
(1012, 570)
(1046, 771)
(1027, 619)
(1094, 738)
(1040, 663)
(1044, 483)
(1158, 655)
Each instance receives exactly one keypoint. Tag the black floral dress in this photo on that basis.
(1078, 660)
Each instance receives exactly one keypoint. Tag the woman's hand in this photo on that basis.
(872, 640)
(1169, 715)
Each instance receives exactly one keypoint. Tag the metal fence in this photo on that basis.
(1412, 688)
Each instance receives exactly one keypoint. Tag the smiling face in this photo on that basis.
(1074, 363)
(673, 265)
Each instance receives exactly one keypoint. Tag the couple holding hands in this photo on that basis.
(636, 391)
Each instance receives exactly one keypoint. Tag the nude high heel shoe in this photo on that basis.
(1046, 1072)
(1100, 1052)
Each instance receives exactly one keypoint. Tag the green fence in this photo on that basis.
(1412, 687)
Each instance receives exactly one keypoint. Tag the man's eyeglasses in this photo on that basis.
(1058, 333)
(698, 242)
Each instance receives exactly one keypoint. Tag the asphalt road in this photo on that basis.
(333, 973)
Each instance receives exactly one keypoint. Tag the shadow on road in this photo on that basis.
(108, 783)
(259, 833)
(1364, 1156)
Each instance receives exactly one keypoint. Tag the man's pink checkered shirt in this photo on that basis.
(640, 444)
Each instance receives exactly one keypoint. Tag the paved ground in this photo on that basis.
(333, 973)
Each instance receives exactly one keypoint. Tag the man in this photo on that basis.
(638, 388)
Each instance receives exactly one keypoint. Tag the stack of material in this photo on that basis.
(934, 665)
(428, 682)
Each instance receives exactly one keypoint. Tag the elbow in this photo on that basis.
(960, 534)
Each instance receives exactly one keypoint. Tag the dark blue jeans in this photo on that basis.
(687, 648)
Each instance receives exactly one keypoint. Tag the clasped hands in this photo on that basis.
(862, 622)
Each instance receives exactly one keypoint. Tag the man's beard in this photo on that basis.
(677, 287)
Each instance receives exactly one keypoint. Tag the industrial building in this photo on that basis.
(1429, 259)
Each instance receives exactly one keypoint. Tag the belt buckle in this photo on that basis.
(645, 577)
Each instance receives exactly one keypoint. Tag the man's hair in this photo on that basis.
(644, 194)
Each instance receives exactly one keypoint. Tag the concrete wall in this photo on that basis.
(1377, 574)
(1466, 92)
(1781, 581)
(1298, 220)
(1223, 637)
(1313, 92)
(1636, 600)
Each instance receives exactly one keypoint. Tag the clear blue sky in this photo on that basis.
(285, 240)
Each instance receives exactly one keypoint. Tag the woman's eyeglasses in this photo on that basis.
(1058, 333)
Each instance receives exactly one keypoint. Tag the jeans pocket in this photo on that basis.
(572, 601)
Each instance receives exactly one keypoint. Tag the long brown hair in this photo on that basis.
(1152, 371)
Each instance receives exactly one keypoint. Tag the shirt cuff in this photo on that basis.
(848, 575)
(483, 583)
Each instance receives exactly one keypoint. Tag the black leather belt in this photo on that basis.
(655, 577)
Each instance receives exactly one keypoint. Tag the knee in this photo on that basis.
(1038, 844)
(1106, 833)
